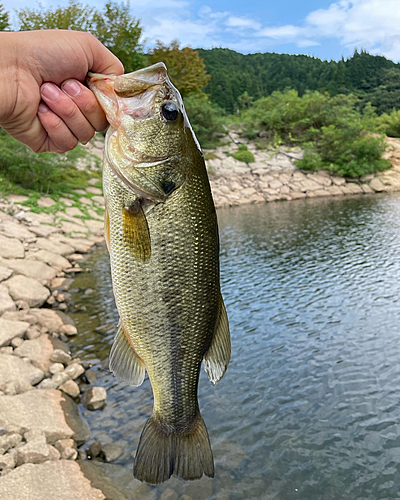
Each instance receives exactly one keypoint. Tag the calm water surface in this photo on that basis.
(310, 405)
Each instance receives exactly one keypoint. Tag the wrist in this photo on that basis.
(8, 74)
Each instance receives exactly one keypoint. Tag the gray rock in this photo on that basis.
(60, 356)
(82, 245)
(20, 316)
(59, 378)
(16, 371)
(52, 480)
(112, 452)
(22, 305)
(30, 268)
(54, 259)
(74, 370)
(377, 185)
(56, 368)
(38, 351)
(17, 198)
(71, 388)
(67, 449)
(95, 226)
(9, 441)
(49, 319)
(16, 342)
(36, 451)
(91, 376)
(11, 329)
(5, 273)
(94, 398)
(45, 201)
(6, 302)
(16, 230)
(28, 289)
(69, 330)
(54, 245)
(11, 248)
(41, 410)
(48, 383)
(33, 332)
(8, 461)
(6, 350)
(169, 494)
(94, 449)
(43, 230)
(33, 434)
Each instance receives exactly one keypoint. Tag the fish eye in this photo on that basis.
(170, 111)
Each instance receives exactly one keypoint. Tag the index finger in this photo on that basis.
(102, 60)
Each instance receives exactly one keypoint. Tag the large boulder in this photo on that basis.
(11, 248)
(28, 289)
(16, 230)
(30, 268)
(46, 410)
(18, 373)
(61, 480)
(55, 246)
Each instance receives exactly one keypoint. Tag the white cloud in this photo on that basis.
(242, 22)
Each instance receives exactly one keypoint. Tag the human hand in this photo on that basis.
(43, 103)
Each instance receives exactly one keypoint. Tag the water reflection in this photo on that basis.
(309, 407)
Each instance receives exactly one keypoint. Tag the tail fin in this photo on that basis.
(162, 453)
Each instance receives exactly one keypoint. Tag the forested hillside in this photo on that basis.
(374, 79)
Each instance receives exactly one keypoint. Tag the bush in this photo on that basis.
(245, 156)
(44, 173)
(389, 124)
(242, 147)
(205, 118)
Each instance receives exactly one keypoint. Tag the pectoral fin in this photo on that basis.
(124, 362)
(216, 359)
(136, 232)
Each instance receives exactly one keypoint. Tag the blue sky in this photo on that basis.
(323, 28)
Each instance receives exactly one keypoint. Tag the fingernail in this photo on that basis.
(72, 88)
(50, 91)
(43, 108)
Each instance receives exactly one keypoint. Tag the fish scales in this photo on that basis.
(162, 234)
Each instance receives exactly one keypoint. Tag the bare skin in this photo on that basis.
(44, 104)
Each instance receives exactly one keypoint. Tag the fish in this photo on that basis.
(162, 234)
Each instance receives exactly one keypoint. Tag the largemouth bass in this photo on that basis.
(161, 231)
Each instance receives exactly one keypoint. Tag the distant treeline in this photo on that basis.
(373, 79)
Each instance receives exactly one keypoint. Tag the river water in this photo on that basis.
(310, 405)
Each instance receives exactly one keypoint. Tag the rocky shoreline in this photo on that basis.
(274, 176)
(41, 432)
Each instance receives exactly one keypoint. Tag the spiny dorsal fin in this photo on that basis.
(124, 362)
(216, 359)
(107, 236)
(136, 232)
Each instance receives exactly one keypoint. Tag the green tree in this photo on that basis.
(120, 32)
(115, 27)
(205, 118)
(4, 19)
(185, 68)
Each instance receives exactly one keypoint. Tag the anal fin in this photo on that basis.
(216, 359)
(136, 232)
(124, 362)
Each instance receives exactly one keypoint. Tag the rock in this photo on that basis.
(69, 330)
(334, 190)
(16, 230)
(377, 185)
(6, 302)
(54, 259)
(39, 351)
(11, 248)
(74, 370)
(17, 371)
(95, 215)
(91, 376)
(95, 226)
(48, 383)
(98, 199)
(56, 368)
(57, 282)
(338, 181)
(17, 198)
(94, 449)
(85, 201)
(52, 480)
(60, 356)
(33, 434)
(351, 188)
(59, 378)
(94, 398)
(94, 190)
(169, 494)
(22, 305)
(8, 461)
(366, 189)
(71, 227)
(48, 318)
(28, 289)
(82, 245)
(10, 330)
(298, 176)
(112, 452)
(67, 449)
(55, 246)
(5, 273)
(30, 268)
(43, 230)
(51, 301)
(36, 451)
(71, 388)
(43, 410)
(16, 342)
(33, 332)
(9, 441)
(41, 218)
(366, 178)
(323, 180)
(66, 202)
(74, 211)
(6, 350)
(45, 202)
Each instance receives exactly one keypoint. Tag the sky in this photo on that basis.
(322, 28)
